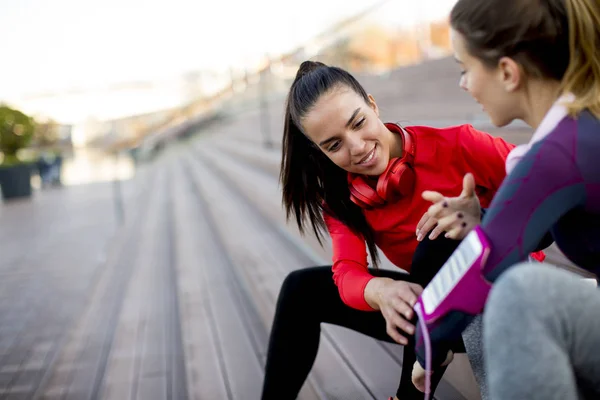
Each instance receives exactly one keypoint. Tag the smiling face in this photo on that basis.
(348, 130)
(494, 88)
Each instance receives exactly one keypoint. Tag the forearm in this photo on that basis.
(546, 241)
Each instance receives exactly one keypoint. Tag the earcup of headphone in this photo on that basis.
(362, 194)
(397, 180)
(356, 200)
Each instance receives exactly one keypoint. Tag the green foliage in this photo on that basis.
(16, 132)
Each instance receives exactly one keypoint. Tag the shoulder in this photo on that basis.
(588, 134)
(431, 142)
(446, 135)
(585, 127)
(577, 138)
(427, 139)
(430, 133)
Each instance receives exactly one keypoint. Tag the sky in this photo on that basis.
(53, 45)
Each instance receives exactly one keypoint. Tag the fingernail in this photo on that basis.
(445, 204)
(408, 315)
(464, 224)
(459, 215)
(420, 237)
(411, 331)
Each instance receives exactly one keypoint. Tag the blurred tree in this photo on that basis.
(16, 132)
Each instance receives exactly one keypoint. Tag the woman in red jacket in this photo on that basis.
(346, 171)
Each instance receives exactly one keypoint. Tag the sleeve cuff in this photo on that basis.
(352, 290)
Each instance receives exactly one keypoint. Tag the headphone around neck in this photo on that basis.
(396, 181)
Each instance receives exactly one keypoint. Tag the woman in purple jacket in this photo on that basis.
(537, 61)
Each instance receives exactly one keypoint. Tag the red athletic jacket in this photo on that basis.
(443, 157)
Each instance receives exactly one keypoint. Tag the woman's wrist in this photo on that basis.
(372, 291)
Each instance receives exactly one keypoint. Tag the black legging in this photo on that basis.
(309, 297)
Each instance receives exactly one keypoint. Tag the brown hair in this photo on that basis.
(552, 39)
(311, 182)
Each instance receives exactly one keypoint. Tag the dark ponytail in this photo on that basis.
(310, 180)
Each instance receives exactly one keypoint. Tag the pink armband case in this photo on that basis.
(458, 286)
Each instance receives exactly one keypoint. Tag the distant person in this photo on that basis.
(537, 61)
(345, 170)
(49, 167)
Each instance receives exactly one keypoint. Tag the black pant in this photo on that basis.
(309, 297)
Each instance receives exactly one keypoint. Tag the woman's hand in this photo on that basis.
(456, 216)
(395, 300)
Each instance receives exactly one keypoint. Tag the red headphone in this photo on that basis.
(396, 181)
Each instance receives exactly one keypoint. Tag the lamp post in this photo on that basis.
(111, 141)
(265, 120)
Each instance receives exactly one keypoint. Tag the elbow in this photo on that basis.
(338, 279)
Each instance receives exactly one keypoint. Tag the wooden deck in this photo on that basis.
(176, 303)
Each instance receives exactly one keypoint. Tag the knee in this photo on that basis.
(514, 296)
(512, 289)
(298, 280)
(297, 285)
